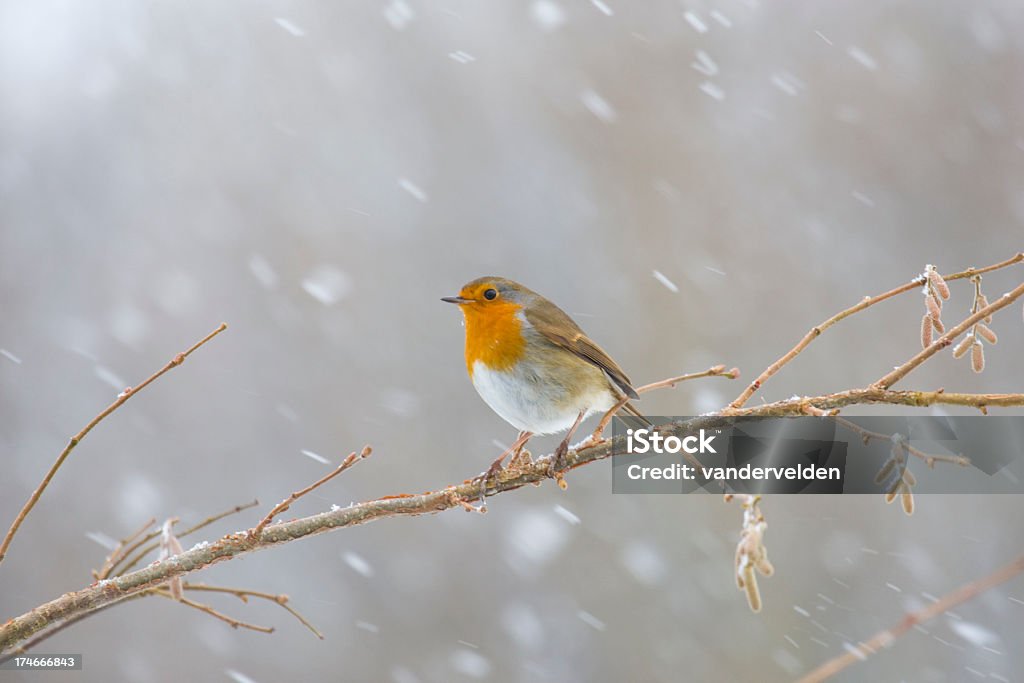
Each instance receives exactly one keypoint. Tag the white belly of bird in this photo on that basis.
(516, 401)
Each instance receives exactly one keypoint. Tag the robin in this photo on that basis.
(535, 367)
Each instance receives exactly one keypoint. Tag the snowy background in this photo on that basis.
(319, 174)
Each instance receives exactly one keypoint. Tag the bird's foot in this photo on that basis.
(491, 474)
(515, 450)
(520, 461)
(558, 463)
(557, 460)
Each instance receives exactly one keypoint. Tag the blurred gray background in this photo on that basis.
(319, 174)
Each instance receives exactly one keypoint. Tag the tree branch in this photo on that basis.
(135, 559)
(230, 621)
(77, 438)
(58, 626)
(817, 330)
(244, 595)
(929, 458)
(347, 463)
(72, 605)
(123, 547)
(716, 371)
(947, 338)
(885, 638)
(118, 583)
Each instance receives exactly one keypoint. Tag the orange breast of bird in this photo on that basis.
(494, 336)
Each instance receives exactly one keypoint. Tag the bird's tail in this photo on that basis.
(636, 419)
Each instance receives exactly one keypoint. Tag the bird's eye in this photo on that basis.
(491, 294)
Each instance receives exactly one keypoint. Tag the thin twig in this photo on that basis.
(77, 438)
(120, 550)
(129, 564)
(816, 331)
(885, 638)
(234, 623)
(929, 458)
(716, 371)
(256, 533)
(244, 596)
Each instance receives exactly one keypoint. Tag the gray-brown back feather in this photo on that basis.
(557, 327)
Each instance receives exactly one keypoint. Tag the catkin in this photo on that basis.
(960, 349)
(938, 283)
(907, 498)
(987, 333)
(983, 303)
(750, 584)
(977, 357)
(931, 302)
(886, 470)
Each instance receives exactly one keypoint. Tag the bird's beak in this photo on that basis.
(456, 300)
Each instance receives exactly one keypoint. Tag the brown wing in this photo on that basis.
(558, 328)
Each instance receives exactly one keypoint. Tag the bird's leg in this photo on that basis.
(495, 467)
(558, 462)
(605, 419)
(514, 449)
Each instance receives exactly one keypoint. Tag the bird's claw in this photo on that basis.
(557, 465)
(520, 461)
(492, 473)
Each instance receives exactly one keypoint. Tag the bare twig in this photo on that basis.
(716, 371)
(77, 438)
(885, 638)
(816, 331)
(257, 532)
(244, 596)
(929, 458)
(231, 621)
(130, 563)
(121, 550)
